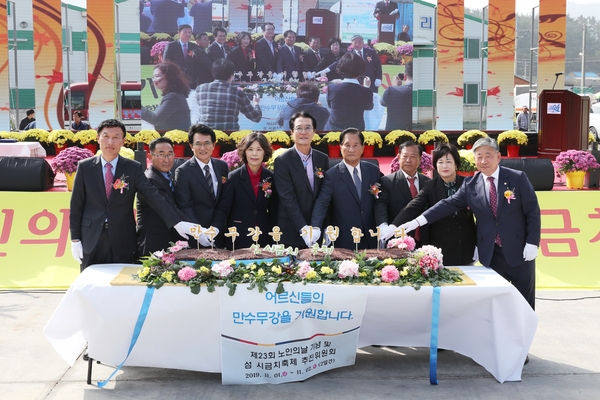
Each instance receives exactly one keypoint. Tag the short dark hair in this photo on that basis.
(286, 33)
(444, 149)
(302, 114)
(111, 123)
(217, 30)
(352, 131)
(410, 143)
(30, 111)
(408, 69)
(199, 35)
(351, 65)
(159, 140)
(222, 69)
(203, 130)
(308, 90)
(334, 40)
(247, 141)
(78, 113)
(264, 26)
(182, 27)
(310, 39)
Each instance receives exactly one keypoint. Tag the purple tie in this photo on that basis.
(108, 180)
(494, 203)
(185, 50)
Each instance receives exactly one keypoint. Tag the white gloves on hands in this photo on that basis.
(377, 82)
(386, 231)
(409, 226)
(315, 236)
(183, 228)
(530, 252)
(305, 236)
(203, 240)
(476, 255)
(323, 72)
(77, 251)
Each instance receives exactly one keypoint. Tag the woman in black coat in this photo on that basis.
(242, 57)
(335, 54)
(249, 197)
(456, 234)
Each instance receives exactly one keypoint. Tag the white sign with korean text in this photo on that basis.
(277, 338)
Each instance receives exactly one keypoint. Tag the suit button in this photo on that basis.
(255, 212)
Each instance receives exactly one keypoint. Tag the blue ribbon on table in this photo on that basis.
(433, 345)
(136, 331)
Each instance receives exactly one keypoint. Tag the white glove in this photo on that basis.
(183, 228)
(409, 226)
(77, 251)
(530, 252)
(394, 12)
(476, 255)
(315, 236)
(310, 75)
(377, 82)
(386, 231)
(203, 240)
(307, 239)
(323, 72)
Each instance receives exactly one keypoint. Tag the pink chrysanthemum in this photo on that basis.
(186, 273)
(347, 268)
(304, 269)
(224, 269)
(389, 274)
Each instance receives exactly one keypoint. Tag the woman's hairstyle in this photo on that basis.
(242, 35)
(177, 82)
(247, 141)
(444, 149)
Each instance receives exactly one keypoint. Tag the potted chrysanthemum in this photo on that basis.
(146, 136)
(397, 137)
(512, 139)
(87, 138)
(574, 164)
(278, 139)
(372, 139)
(430, 137)
(467, 165)
(221, 139)
(332, 139)
(468, 139)
(179, 139)
(61, 138)
(66, 162)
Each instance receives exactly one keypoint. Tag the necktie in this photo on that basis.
(293, 52)
(357, 182)
(185, 50)
(209, 180)
(413, 193)
(224, 52)
(318, 56)
(170, 181)
(311, 176)
(271, 47)
(494, 204)
(108, 180)
(359, 52)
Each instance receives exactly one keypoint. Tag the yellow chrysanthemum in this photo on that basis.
(388, 261)
(204, 270)
(252, 266)
(246, 276)
(311, 275)
(326, 271)
(404, 272)
(362, 274)
(260, 272)
(378, 273)
(276, 269)
(142, 273)
(168, 275)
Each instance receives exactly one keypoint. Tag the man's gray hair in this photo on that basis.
(488, 141)
(357, 37)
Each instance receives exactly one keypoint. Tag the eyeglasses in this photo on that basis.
(163, 156)
(305, 129)
(203, 144)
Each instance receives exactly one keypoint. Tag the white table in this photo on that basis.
(489, 322)
(22, 149)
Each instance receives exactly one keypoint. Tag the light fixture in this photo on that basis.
(23, 24)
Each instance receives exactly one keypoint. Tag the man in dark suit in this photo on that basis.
(153, 233)
(199, 181)
(398, 100)
(218, 48)
(202, 68)
(386, 7)
(166, 13)
(507, 213)
(397, 189)
(314, 55)
(290, 58)
(299, 174)
(101, 219)
(183, 53)
(266, 51)
(347, 189)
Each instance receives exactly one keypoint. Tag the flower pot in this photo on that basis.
(216, 151)
(179, 150)
(429, 148)
(396, 149)
(406, 59)
(464, 173)
(468, 146)
(58, 149)
(70, 176)
(275, 146)
(512, 150)
(575, 179)
(334, 150)
(91, 147)
(383, 58)
(369, 151)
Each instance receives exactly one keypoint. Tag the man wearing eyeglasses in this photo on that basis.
(152, 233)
(299, 174)
(199, 181)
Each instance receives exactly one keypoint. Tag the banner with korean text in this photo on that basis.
(287, 337)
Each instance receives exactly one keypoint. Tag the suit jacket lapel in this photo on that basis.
(349, 180)
(403, 185)
(98, 176)
(247, 183)
(297, 164)
(480, 190)
(199, 174)
(503, 184)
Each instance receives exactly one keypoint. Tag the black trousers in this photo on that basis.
(104, 254)
(522, 276)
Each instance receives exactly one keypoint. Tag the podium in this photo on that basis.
(323, 24)
(563, 119)
(386, 29)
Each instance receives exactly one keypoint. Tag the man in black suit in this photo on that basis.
(299, 174)
(399, 188)
(507, 213)
(218, 48)
(101, 219)
(314, 55)
(266, 51)
(199, 181)
(386, 7)
(183, 53)
(202, 68)
(290, 58)
(398, 100)
(347, 189)
(153, 233)
(166, 13)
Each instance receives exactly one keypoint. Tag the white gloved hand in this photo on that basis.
(377, 82)
(305, 236)
(315, 236)
(409, 226)
(476, 255)
(394, 12)
(203, 240)
(323, 72)
(183, 228)
(386, 231)
(77, 251)
(530, 252)
(310, 75)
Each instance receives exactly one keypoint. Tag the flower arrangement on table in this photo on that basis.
(467, 161)
(221, 137)
(237, 136)
(123, 152)
(146, 136)
(431, 136)
(61, 137)
(574, 160)
(425, 165)
(88, 136)
(386, 49)
(417, 268)
(232, 159)
(397, 137)
(66, 161)
(512, 137)
(470, 137)
(177, 136)
(34, 135)
(372, 139)
(278, 137)
(405, 49)
(331, 138)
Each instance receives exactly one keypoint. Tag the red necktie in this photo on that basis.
(494, 204)
(108, 180)
(413, 193)
(318, 56)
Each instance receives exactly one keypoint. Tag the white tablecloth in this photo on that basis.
(22, 149)
(489, 322)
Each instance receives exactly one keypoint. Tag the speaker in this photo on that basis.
(25, 174)
(540, 171)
